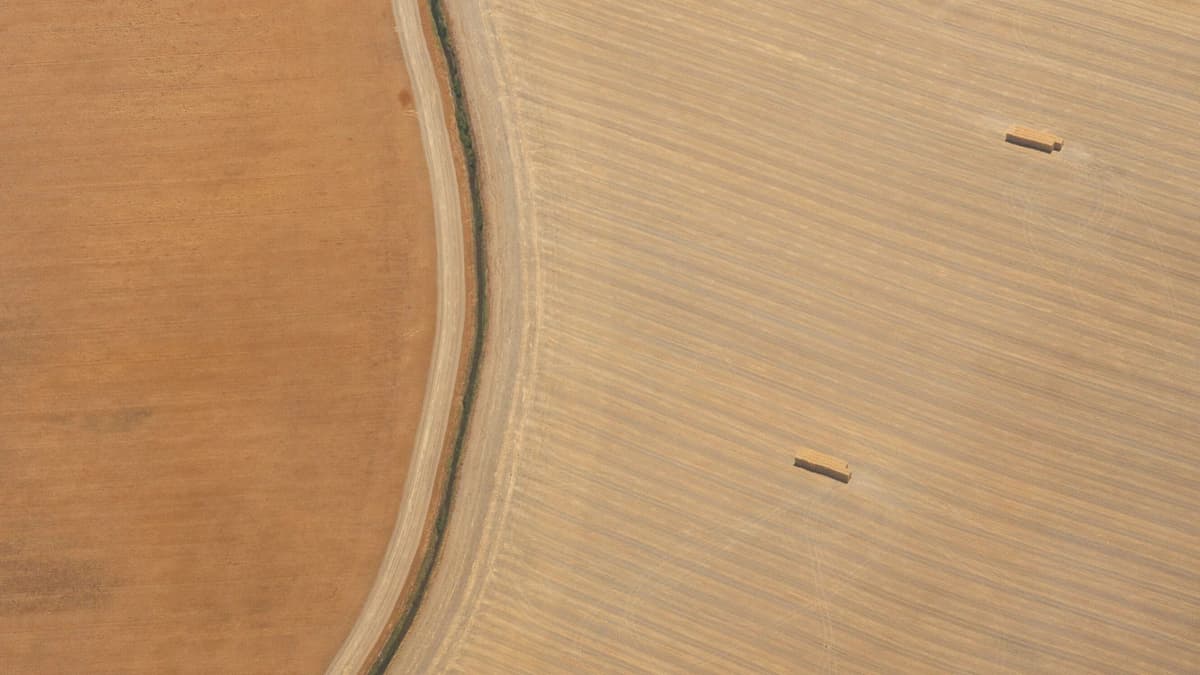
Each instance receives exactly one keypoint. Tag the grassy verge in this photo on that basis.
(467, 141)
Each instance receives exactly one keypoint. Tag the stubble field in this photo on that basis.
(722, 231)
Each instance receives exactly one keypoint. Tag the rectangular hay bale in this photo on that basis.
(1032, 138)
(824, 464)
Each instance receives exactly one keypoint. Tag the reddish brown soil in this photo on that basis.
(216, 315)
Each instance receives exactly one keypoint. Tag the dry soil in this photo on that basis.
(217, 289)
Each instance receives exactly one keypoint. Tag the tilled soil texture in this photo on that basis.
(216, 314)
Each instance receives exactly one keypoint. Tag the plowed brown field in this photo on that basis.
(723, 230)
(217, 293)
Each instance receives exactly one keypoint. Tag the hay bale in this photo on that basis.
(1032, 138)
(824, 464)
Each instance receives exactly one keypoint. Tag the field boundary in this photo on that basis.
(437, 13)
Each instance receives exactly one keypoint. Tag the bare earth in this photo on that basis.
(217, 310)
(724, 230)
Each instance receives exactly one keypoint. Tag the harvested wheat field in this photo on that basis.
(217, 311)
(721, 232)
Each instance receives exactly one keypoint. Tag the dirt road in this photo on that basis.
(724, 230)
(217, 311)
(425, 465)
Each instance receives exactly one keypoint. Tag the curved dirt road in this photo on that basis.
(509, 368)
(447, 348)
(511, 350)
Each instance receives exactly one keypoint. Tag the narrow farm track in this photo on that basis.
(425, 467)
(724, 230)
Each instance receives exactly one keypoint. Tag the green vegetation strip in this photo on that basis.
(467, 141)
